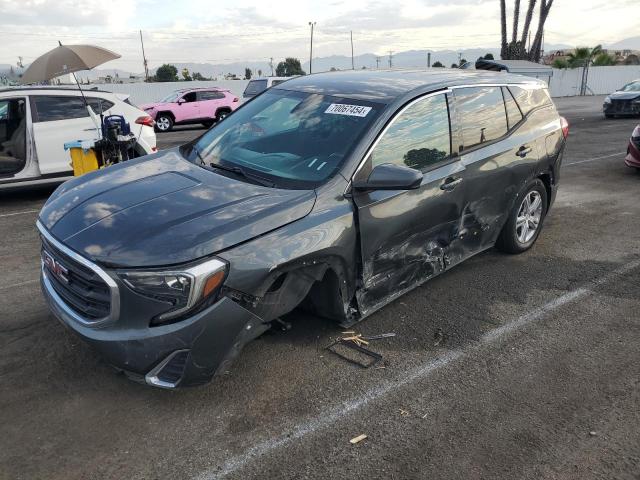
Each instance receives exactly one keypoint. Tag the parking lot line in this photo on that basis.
(595, 158)
(327, 418)
(28, 282)
(18, 213)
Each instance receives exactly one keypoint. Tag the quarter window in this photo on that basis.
(530, 98)
(513, 112)
(204, 96)
(482, 115)
(419, 137)
(51, 108)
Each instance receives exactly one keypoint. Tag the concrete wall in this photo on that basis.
(152, 92)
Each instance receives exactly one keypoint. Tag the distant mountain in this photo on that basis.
(631, 43)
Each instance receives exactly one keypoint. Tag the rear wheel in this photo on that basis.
(525, 220)
(164, 122)
(220, 115)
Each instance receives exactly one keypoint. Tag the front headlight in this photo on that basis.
(607, 99)
(181, 289)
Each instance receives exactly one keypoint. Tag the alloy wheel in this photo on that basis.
(529, 216)
(163, 123)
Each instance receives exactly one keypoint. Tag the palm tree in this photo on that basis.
(604, 59)
(582, 56)
(517, 49)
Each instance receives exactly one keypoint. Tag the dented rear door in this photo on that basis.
(407, 237)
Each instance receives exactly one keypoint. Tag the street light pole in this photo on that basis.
(311, 51)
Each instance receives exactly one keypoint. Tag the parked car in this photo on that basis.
(337, 194)
(623, 102)
(192, 105)
(35, 123)
(633, 150)
(259, 85)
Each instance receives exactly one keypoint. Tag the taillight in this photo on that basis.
(565, 127)
(236, 99)
(145, 120)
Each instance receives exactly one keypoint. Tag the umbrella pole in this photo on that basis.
(86, 105)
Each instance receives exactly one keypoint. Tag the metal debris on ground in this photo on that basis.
(403, 412)
(357, 439)
(355, 342)
(438, 337)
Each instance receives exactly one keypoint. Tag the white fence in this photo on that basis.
(602, 80)
(153, 92)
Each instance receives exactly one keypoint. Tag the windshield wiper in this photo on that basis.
(237, 170)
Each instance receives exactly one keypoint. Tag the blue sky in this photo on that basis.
(254, 30)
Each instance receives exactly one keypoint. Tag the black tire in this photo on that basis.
(164, 122)
(208, 124)
(221, 114)
(513, 238)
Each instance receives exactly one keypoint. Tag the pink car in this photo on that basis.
(192, 105)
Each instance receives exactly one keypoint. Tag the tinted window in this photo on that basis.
(292, 139)
(50, 108)
(204, 96)
(254, 87)
(189, 97)
(513, 112)
(419, 137)
(482, 115)
(529, 98)
(277, 82)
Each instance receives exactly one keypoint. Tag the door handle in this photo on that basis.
(523, 151)
(450, 183)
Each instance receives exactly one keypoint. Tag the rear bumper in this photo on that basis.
(633, 156)
(186, 353)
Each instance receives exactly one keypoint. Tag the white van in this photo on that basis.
(35, 123)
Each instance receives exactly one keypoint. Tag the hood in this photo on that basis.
(164, 210)
(624, 95)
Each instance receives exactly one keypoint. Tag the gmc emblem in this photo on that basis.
(55, 267)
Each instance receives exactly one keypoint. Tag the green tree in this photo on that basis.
(516, 48)
(582, 56)
(199, 76)
(560, 63)
(291, 66)
(604, 59)
(438, 64)
(185, 75)
(454, 65)
(488, 56)
(166, 73)
(247, 73)
(259, 73)
(463, 61)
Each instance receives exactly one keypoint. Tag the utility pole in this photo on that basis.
(377, 63)
(311, 51)
(390, 58)
(271, 65)
(459, 58)
(353, 66)
(19, 64)
(428, 59)
(144, 60)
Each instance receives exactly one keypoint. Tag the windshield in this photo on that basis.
(172, 97)
(254, 87)
(292, 139)
(631, 87)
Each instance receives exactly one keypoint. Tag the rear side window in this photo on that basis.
(513, 112)
(51, 108)
(482, 114)
(254, 87)
(276, 82)
(204, 96)
(419, 137)
(528, 98)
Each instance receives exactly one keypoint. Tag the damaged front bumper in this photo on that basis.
(186, 353)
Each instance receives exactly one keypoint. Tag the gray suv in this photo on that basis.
(335, 193)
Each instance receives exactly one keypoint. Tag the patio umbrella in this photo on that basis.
(66, 59)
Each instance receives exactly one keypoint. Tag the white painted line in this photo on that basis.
(13, 285)
(18, 213)
(595, 158)
(331, 416)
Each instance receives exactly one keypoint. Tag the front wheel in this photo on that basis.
(164, 123)
(221, 115)
(525, 220)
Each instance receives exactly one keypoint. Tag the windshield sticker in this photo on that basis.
(351, 110)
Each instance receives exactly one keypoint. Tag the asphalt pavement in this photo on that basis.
(505, 367)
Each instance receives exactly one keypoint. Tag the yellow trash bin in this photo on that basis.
(83, 156)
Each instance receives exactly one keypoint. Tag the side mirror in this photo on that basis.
(181, 101)
(391, 177)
